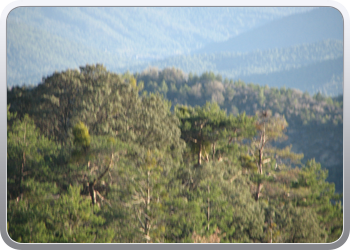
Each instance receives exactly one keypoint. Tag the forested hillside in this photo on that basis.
(301, 110)
(314, 67)
(161, 156)
(41, 40)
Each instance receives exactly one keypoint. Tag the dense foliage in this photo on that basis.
(318, 119)
(93, 157)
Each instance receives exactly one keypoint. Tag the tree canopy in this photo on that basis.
(93, 157)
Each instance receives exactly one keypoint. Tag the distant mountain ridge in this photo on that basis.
(133, 31)
(316, 25)
(315, 67)
(325, 77)
(253, 44)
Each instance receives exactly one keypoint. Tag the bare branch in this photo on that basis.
(138, 217)
(106, 170)
(102, 198)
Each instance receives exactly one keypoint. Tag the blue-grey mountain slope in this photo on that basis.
(41, 40)
(316, 25)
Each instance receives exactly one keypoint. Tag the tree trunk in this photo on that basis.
(147, 208)
(261, 151)
(23, 164)
(92, 184)
(271, 235)
(260, 163)
(92, 192)
(213, 151)
(21, 177)
(260, 185)
(208, 206)
(200, 154)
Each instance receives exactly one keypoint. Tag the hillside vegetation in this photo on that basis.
(316, 117)
(161, 156)
(315, 67)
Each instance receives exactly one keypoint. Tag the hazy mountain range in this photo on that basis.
(293, 47)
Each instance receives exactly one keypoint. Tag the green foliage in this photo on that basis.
(29, 154)
(50, 220)
(27, 218)
(10, 116)
(121, 166)
(301, 226)
(81, 136)
(248, 162)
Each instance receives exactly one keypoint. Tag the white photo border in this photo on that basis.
(234, 3)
